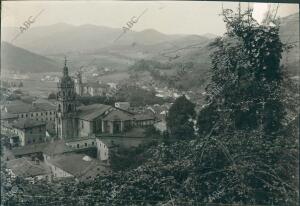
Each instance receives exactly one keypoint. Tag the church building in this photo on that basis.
(73, 122)
(66, 121)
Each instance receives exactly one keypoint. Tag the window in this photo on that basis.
(36, 114)
(77, 145)
(81, 124)
(93, 143)
(26, 115)
(31, 115)
(50, 113)
(22, 115)
(41, 113)
(46, 113)
(33, 140)
(85, 144)
(69, 108)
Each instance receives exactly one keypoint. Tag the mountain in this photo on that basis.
(98, 45)
(210, 35)
(64, 38)
(21, 60)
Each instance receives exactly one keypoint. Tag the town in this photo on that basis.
(192, 104)
(51, 138)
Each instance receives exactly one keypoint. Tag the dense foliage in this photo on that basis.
(180, 119)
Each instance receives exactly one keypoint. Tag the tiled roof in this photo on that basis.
(6, 115)
(56, 148)
(25, 108)
(29, 149)
(118, 114)
(93, 111)
(144, 117)
(77, 166)
(27, 123)
(23, 167)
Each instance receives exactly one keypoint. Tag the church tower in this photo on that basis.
(66, 123)
(78, 83)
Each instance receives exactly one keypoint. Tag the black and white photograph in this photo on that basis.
(149, 103)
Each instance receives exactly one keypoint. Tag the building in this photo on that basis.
(43, 111)
(104, 148)
(74, 122)
(29, 131)
(66, 123)
(78, 166)
(29, 169)
(8, 118)
(90, 88)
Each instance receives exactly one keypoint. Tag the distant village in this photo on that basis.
(60, 137)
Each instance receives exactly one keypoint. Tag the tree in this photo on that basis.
(243, 125)
(180, 119)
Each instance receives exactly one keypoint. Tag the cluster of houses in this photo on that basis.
(63, 139)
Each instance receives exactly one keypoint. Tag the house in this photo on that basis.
(104, 148)
(39, 111)
(55, 148)
(28, 169)
(78, 166)
(89, 88)
(32, 150)
(29, 131)
(10, 138)
(81, 143)
(8, 117)
(142, 120)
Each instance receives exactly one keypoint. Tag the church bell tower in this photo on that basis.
(66, 125)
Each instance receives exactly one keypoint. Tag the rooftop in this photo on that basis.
(6, 116)
(27, 123)
(56, 148)
(25, 107)
(79, 166)
(118, 114)
(144, 117)
(93, 111)
(23, 167)
(29, 149)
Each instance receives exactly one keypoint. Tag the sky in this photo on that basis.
(169, 17)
